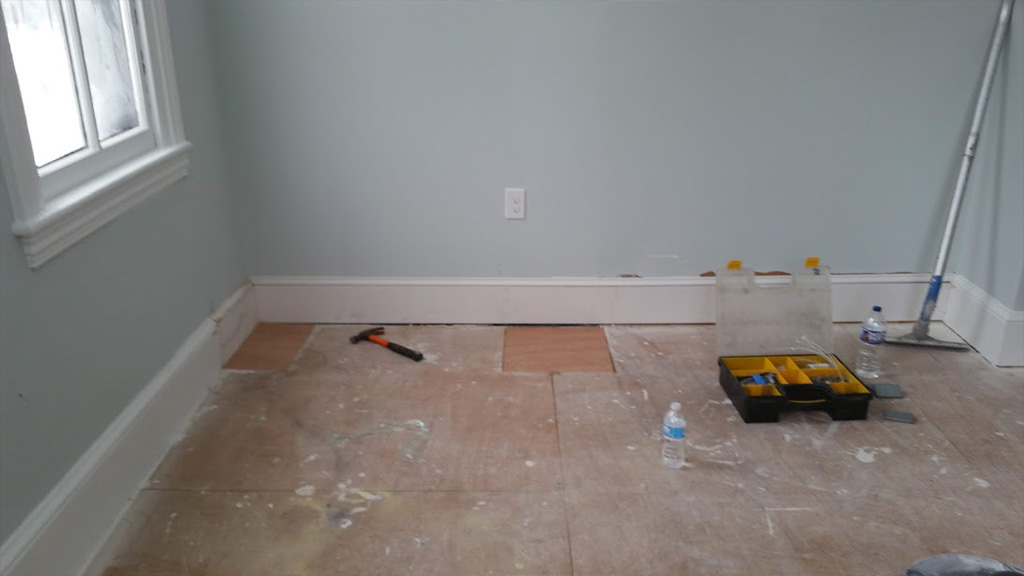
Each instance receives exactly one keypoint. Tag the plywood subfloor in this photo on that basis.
(557, 349)
(270, 347)
(355, 460)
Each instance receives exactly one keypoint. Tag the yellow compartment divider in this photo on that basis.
(788, 371)
(794, 377)
(753, 363)
(761, 390)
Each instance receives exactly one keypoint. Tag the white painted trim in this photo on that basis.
(49, 226)
(16, 159)
(567, 280)
(235, 319)
(995, 330)
(162, 83)
(72, 523)
(72, 216)
(980, 319)
(676, 300)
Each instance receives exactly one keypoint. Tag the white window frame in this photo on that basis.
(59, 204)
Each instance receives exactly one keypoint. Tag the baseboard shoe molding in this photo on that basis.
(675, 300)
(996, 331)
(70, 525)
(235, 320)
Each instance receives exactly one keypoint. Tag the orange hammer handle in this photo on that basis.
(397, 348)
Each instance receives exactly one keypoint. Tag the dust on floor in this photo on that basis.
(354, 460)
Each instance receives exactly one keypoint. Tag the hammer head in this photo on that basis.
(366, 334)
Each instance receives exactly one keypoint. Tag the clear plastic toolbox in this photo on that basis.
(768, 334)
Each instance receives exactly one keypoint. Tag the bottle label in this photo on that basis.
(673, 432)
(872, 337)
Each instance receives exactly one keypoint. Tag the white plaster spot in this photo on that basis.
(362, 474)
(630, 447)
(865, 456)
(239, 505)
(310, 458)
(270, 505)
(981, 483)
(714, 448)
(305, 490)
(787, 437)
(530, 463)
(344, 523)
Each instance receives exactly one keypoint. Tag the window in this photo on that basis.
(90, 119)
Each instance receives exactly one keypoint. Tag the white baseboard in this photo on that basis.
(677, 300)
(234, 320)
(71, 524)
(996, 331)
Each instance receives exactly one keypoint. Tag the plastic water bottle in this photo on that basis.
(673, 438)
(872, 336)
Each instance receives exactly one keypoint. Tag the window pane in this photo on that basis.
(40, 52)
(108, 66)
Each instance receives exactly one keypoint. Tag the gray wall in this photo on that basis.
(375, 138)
(989, 245)
(82, 335)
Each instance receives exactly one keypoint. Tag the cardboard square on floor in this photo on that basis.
(270, 347)
(556, 349)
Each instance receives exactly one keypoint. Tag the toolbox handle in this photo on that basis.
(808, 393)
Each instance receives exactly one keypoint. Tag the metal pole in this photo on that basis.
(921, 328)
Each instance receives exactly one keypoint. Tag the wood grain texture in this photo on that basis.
(270, 347)
(537, 473)
(556, 349)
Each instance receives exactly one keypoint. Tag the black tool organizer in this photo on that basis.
(792, 383)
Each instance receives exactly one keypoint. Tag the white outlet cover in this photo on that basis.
(515, 203)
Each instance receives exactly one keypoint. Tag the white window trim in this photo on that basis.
(48, 227)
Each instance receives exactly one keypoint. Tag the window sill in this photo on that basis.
(76, 214)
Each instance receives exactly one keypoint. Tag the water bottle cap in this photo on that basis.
(676, 406)
(877, 308)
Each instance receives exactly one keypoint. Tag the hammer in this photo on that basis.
(373, 335)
